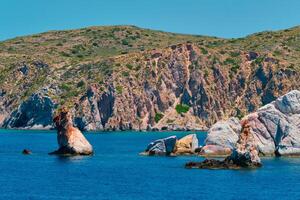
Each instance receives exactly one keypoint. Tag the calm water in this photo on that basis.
(116, 171)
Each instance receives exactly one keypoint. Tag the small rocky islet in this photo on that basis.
(70, 139)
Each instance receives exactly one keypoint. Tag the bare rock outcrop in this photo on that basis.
(34, 113)
(244, 155)
(163, 146)
(70, 139)
(222, 137)
(172, 146)
(186, 145)
(275, 127)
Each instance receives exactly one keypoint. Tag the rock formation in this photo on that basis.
(172, 146)
(163, 146)
(128, 78)
(186, 145)
(26, 152)
(70, 140)
(244, 155)
(275, 128)
(222, 137)
(34, 113)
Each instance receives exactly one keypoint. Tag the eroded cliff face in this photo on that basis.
(36, 112)
(186, 86)
(182, 75)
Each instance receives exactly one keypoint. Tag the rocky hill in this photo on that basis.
(125, 77)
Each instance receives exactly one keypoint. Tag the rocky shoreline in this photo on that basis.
(275, 128)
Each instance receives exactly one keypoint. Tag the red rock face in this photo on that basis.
(246, 144)
(70, 139)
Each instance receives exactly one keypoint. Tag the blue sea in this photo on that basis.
(116, 171)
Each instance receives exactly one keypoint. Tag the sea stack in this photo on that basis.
(244, 155)
(70, 139)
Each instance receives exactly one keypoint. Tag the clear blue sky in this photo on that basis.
(223, 18)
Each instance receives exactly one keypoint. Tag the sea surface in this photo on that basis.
(116, 171)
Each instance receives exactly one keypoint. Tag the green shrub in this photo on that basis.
(119, 89)
(158, 117)
(80, 84)
(235, 68)
(182, 108)
(204, 51)
(259, 60)
(229, 61)
(125, 73)
(129, 66)
(65, 86)
(125, 42)
(239, 113)
(234, 54)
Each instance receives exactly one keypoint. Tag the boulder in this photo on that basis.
(70, 139)
(222, 137)
(163, 146)
(186, 145)
(289, 103)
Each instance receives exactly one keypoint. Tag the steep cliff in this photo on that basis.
(124, 77)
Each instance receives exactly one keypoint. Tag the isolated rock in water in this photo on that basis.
(70, 139)
(163, 146)
(244, 155)
(26, 152)
(186, 145)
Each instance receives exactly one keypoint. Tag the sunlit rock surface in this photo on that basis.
(70, 139)
(275, 127)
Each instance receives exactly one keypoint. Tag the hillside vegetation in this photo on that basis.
(125, 77)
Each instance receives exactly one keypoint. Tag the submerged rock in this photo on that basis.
(26, 152)
(70, 139)
(275, 128)
(244, 155)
